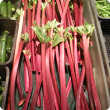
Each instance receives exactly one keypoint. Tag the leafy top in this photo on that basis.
(41, 34)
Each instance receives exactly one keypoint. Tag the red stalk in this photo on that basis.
(29, 29)
(76, 12)
(52, 69)
(36, 93)
(49, 82)
(48, 11)
(71, 68)
(21, 96)
(76, 57)
(81, 14)
(78, 97)
(38, 52)
(26, 55)
(33, 47)
(62, 77)
(26, 77)
(68, 86)
(64, 104)
(43, 63)
(87, 68)
(59, 7)
(14, 73)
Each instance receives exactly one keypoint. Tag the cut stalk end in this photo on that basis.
(21, 101)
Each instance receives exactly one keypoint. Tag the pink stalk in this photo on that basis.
(21, 96)
(59, 7)
(26, 77)
(81, 14)
(68, 86)
(71, 68)
(13, 79)
(62, 66)
(66, 59)
(62, 77)
(76, 57)
(87, 68)
(76, 11)
(33, 47)
(36, 93)
(38, 52)
(43, 63)
(48, 11)
(78, 98)
(53, 9)
(27, 58)
(49, 82)
(29, 29)
(52, 69)
(18, 39)
(53, 54)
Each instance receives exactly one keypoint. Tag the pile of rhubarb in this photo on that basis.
(53, 32)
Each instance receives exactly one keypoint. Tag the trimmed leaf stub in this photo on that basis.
(25, 37)
(35, 1)
(42, 36)
(57, 39)
(43, 5)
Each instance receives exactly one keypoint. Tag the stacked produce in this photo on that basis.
(103, 8)
(7, 9)
(5, 46)
(1, 90)
(49, 32)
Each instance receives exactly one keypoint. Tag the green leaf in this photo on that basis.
(58, 29)
(73, 29)
(42, 36)
(51, 24)
(29, 6)
(67, 33)
(57, 40)
(80, 29)
(43, 5)
(19, 11)
(17, 15)
(86, 29)
(25, 37)
(89, 28)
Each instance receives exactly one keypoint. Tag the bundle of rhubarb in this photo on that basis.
(53, 32)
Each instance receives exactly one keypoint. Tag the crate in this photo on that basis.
(5, 75)
(98, 61)
(105, 26)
